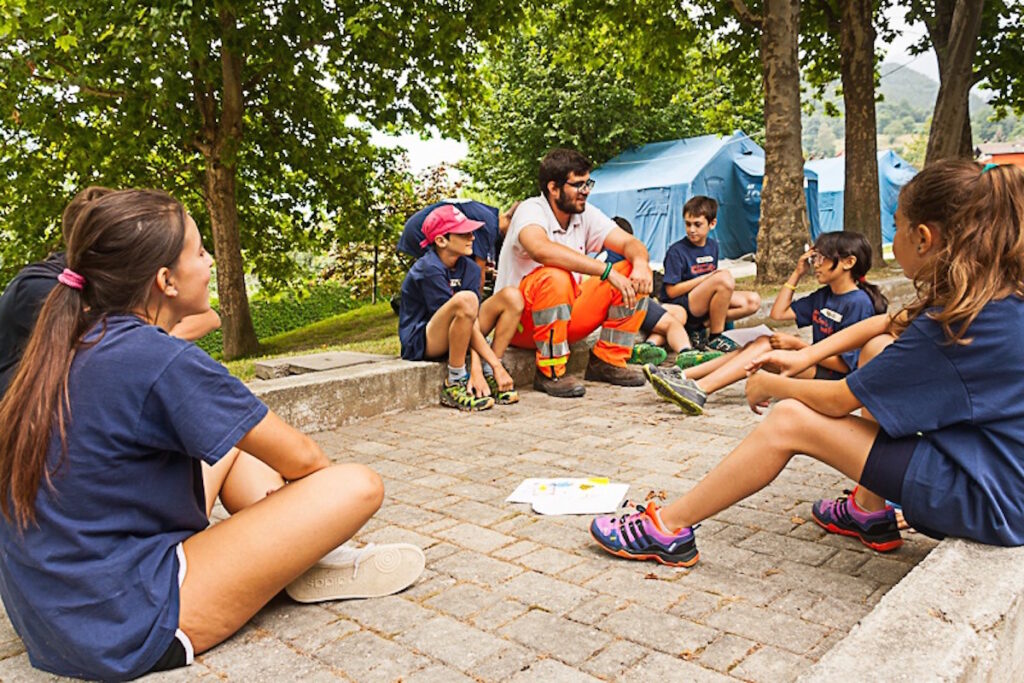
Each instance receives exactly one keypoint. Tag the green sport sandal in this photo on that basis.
(645, 352)
(690, 358)
(458, 396)
(502, 398)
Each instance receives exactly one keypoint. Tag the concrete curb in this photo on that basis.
(326, 399)
(363, 385)
(957, 616)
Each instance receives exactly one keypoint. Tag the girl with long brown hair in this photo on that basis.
(107, 567)
(947, 435)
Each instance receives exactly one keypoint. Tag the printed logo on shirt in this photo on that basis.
(455, 282)
(701, 268)
(705, 259)
(832, 315)
(823, 324)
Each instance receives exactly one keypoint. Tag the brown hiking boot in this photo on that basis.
(601, 371)
(565, 386)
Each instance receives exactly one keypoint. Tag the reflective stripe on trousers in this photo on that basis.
(546, 316)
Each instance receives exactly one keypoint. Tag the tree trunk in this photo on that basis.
(954, 35)
(783, 229)
(376, 255)
(861, 209)
(219, 143)
(238, 332)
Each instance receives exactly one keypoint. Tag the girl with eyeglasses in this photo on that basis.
(840, 262)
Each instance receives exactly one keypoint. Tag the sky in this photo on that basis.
(426, 153)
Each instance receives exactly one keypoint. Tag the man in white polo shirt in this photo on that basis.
(545, 255)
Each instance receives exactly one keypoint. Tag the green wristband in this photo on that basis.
(607, 271)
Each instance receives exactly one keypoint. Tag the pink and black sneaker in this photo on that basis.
(876, 530)
(640, 536)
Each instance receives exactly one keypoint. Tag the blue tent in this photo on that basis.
(893, 174)
(649, 185)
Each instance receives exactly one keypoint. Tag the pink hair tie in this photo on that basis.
(71, 279)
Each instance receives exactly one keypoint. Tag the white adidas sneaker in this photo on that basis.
(369, 572)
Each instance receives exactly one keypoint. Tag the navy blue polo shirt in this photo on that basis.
(686, 261)
(966, 477)
(485, 240)
(428, 286)
(827, 313)
(93, 588)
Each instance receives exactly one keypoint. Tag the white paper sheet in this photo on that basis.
(745, 335)
(569, 496)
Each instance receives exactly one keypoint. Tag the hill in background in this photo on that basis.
(903, 116)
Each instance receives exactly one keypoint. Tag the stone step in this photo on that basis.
(325, 390)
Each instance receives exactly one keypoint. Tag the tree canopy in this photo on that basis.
(598, 85)
(252, 112)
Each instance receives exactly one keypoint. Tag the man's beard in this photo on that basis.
(565, 205)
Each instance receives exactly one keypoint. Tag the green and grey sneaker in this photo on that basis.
(503, 398)
(722, 343)
(678, 389)
(689, 358)
(458, 396)
(645, 352)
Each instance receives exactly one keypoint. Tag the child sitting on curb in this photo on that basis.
(840, 261)
(441, 313)
(663, 324)
(947, 441)
(693, 281)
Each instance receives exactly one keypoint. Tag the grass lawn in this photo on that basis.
(368, 329)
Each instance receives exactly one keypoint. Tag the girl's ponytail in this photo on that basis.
(37, 393)
(117, 241)
(874, 292)
(979, 214)
(840, 245)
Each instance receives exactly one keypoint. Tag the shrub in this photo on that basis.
(289, 310)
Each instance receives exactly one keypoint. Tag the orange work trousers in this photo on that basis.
(559, 312)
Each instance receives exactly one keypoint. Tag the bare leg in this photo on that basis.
(670, 329)
(732, 370)
(501, 313)
(742, 304)
(705, 369)
(452, 327)
(791, 428)
(236, 566)
(712, 297)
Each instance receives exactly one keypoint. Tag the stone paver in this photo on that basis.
(509, 595)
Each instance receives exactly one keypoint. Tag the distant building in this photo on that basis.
(1002, 153)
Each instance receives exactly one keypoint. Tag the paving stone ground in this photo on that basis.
(510, 595)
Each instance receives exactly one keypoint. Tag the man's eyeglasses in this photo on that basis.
(582, 185)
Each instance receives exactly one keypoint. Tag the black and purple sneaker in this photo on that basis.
(639, 537)
(876, 530)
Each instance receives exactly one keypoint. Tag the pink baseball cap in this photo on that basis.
(445, 220)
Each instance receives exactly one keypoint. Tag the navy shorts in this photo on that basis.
(887, 465)
(693, 322)
(654, 314)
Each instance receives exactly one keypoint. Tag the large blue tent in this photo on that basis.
(893, 173)
(649, 185)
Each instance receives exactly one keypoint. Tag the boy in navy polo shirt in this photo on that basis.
(693, 281)
(441, 313)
